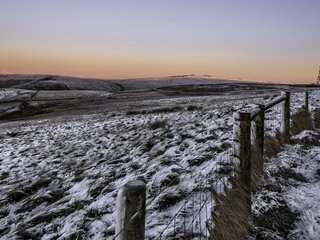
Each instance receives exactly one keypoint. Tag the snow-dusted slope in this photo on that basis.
(287, 205)
(49, 82)
(60, 177)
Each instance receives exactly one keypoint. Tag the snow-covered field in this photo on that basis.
(287, 204)
(60, 177)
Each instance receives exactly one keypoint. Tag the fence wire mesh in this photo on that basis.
(192, 217)
(273, 120)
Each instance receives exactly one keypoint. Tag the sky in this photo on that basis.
(273, 41)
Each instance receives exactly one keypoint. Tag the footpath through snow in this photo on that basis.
(287, 203)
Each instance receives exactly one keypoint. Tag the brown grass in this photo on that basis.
(316, 118)
(156, 110)
(231, 216)
(158, 124)
(301, 120)
(272, 145)
(256, 167)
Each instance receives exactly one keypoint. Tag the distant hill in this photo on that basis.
(154, 83)
(51, 82)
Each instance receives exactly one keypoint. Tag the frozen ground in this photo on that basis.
(60, 176)
(287, 205)
(53, 82)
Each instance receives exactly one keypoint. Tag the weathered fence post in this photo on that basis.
(306, 101)
(286, 118)
(259, 141)
(131, 209)
(245, 154)
(236, 136)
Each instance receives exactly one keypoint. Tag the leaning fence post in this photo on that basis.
(259, 141)
(286, 118)
(245, 154)
(306, 101)
(130, 212)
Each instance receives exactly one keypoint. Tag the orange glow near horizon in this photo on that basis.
(134, 63)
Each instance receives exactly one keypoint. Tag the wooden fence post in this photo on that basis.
(131, 211)
(236, 136)
(306, 102)
(286, 119)
(245, 154)
(259, 141)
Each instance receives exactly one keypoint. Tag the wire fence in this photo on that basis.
(273, 118)
(192, 217)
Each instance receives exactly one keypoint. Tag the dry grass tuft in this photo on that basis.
(156, 110)
(301, 120)
(231, 216)
(158, 124)
(279, 219)
(316, 118)
(272, 145)
(256, 167)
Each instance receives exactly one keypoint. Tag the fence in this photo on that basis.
(195, 216)
(255, 124)
(192, 218)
